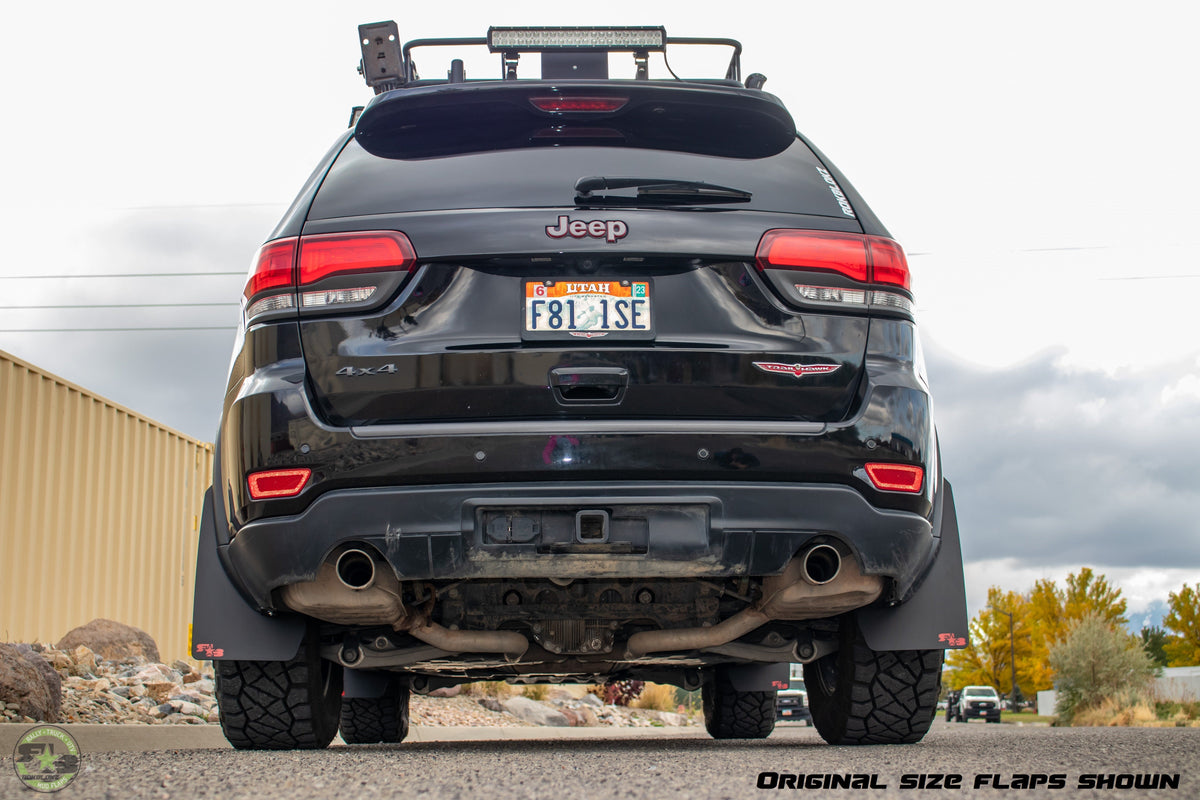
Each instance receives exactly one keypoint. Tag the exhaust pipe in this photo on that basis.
(821, 564)
(510, 643)
(355, 569)
(813, 585)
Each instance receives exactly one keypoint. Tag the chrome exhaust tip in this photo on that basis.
(355, 569)
(821, 565)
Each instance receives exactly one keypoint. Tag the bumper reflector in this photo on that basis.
(896, 477)
(278, 483)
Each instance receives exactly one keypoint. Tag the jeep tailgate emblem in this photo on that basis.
(796, 370)
(608, 229)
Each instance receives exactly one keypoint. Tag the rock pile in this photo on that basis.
(109, 673)
(95, 689)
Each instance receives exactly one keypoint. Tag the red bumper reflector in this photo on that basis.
(896, 477)
(278, 483)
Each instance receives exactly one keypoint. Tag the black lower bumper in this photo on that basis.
(663, 530)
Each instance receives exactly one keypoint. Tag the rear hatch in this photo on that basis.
(481, 253)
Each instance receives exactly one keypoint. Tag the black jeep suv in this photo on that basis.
(575, 379)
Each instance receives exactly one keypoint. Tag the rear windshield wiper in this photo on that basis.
(654, 191)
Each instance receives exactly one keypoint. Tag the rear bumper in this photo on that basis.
(661, 530)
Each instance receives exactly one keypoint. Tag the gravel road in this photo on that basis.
(539, 763)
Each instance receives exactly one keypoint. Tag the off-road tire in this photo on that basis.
(730, 714)
(279, 705)
(368, 720)
(862, 696)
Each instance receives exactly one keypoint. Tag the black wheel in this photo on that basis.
(367, 720)
(730, 714)
(860, 696)
(280, 705)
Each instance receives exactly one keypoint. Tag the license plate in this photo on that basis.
(588, 309)
(787, 713)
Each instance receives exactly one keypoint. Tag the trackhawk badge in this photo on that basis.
(796, 370)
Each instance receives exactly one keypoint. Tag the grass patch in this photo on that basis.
(1012, 717)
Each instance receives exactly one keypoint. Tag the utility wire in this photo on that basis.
(95, 330)
(120, 305)
(123, 275)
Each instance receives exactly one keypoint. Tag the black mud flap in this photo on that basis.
(758, 677)
(224, 625)
(935, 617)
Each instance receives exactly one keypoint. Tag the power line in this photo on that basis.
(120, 305)
(123, 275)
(96, 330)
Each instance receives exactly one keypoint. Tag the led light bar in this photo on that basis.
(608, 38)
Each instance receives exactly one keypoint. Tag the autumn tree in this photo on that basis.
(1055, 610)
(986, 661)
(1183, 619)
(1041, 618)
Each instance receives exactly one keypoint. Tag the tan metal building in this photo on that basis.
(99, 513)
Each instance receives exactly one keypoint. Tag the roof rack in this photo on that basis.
(567, 52)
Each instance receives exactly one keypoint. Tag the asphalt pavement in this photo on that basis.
(976, 760)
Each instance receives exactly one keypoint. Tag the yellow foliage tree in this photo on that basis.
(1183, 619)
(1041, 618)
(986, 661)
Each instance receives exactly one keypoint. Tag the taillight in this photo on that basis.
(860, 258)
(565, 104)
(896, 477)
(278, 483)
(331, 253)
(283, 266)
(272, 271)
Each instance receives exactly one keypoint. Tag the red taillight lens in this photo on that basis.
(844, 253)
(896, 477)
(868, 259)
(594, 104)
(272, 267)
(888, 264)
(278, 483)
(371, 251)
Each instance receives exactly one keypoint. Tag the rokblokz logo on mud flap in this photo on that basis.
(46, 758)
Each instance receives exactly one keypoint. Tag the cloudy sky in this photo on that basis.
(1037, 160)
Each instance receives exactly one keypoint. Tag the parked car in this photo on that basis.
(580, 379)
(951, 706)
(978, 702)
(792, 702)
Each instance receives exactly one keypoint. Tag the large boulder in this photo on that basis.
(535, 712)
(26, 683)
(111, 640)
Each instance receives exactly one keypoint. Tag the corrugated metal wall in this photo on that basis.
(99, 511)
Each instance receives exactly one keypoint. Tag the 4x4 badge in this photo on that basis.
(608, 229)
(796, 370)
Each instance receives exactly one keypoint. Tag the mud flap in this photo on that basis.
(224, 625)
(758, 677)
(935, 617)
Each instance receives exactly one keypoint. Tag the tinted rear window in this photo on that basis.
(360, 183)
